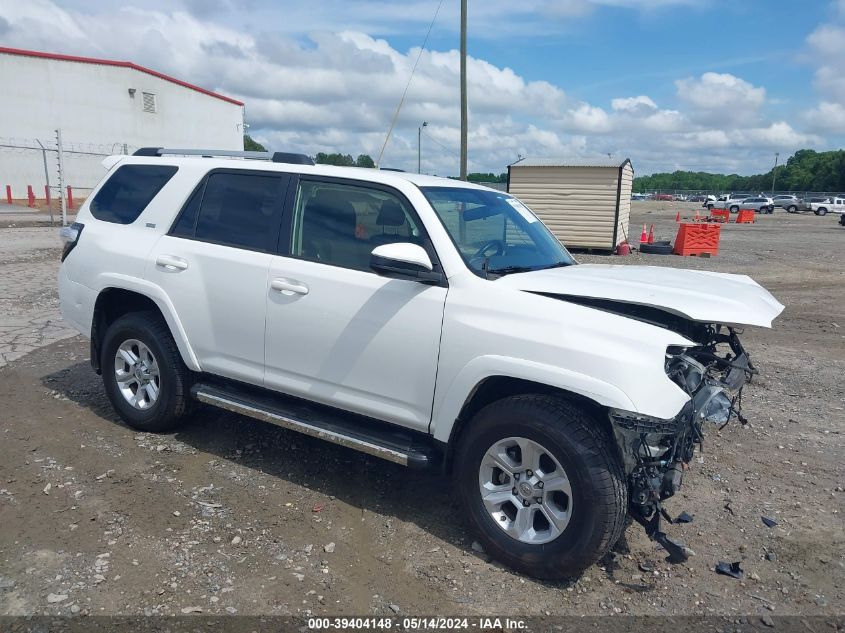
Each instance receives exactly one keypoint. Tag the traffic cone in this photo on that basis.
(651, 235)
(644, 236)
(678, 216)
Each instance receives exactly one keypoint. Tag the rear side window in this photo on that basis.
(237, 209)
(128, 192)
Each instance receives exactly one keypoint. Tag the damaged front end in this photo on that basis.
(655, 451)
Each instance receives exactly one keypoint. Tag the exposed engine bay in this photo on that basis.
(655, 451)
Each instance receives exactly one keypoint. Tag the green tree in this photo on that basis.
(341, 160)
(364, 160)
(251, 145)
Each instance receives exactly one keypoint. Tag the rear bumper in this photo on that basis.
(76, 303)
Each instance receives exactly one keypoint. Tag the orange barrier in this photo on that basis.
(746, 216)
(720, 215)
(697, 239)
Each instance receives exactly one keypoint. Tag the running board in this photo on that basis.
(360, 433)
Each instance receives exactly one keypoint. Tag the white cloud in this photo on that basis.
(721, 98)
(826, 117)
(337, 91)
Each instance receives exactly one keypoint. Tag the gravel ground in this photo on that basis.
(230, 515)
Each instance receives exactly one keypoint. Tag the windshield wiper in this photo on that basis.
(506, 270)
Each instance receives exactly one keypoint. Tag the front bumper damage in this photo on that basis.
(655, 451)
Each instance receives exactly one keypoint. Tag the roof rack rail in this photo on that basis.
(276, 157)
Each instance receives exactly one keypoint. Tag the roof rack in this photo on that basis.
(275, 157)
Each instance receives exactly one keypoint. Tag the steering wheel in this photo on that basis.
(499, 244)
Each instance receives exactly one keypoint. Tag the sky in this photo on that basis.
(709, 85)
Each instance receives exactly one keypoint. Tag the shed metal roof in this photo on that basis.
(570, 162)
(110, 62)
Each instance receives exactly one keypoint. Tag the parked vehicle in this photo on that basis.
(804, 204)
(842, 219)
(668, 197)
(788, 202)
(727, 201)
(828, 205)
(434, 323)
(761, 205)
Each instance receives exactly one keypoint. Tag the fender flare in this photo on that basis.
(448, 408)
(106, 281)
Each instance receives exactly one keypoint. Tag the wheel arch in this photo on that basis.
(114, 302)
(498, 387)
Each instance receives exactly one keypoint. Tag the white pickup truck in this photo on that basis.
(430, 322)
(831, 205)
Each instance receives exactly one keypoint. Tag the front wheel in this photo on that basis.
(542, 485)
(734, 209)
(792, 209)
(144, 376)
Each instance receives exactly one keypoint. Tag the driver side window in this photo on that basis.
(341, 224)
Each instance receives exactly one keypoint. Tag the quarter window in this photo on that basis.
(128, 192)
(237, 209)
(341, 224)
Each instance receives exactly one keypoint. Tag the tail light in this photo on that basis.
(70, 237)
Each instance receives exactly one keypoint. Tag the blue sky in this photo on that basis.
(715, 85)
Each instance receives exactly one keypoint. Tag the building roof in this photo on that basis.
(571, 162)
(110, 62)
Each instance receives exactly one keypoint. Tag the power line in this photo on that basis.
(408, 85)
(448, 149)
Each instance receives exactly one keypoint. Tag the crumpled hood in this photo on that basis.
(702, 296)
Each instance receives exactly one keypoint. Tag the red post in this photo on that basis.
(30, 196)
(9, 194)
(69, 197)
(47, 194)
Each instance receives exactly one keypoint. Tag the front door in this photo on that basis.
(338, 333)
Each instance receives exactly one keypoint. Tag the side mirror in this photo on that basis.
(404, 260)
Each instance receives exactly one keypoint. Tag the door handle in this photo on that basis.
(171, 263)
(289, 286)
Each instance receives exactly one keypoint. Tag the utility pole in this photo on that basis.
(775, 173)
(463, 89)
(419, 147)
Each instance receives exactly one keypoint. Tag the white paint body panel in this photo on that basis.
(698, 295)
(356, 341)
(401, 351)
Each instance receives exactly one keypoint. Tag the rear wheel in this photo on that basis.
(734, 209)
(792, 209)
(542, 485)
(821, 211)
(144, 376)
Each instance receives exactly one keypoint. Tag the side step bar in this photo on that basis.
(360, 433)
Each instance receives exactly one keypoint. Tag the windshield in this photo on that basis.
(495, 233)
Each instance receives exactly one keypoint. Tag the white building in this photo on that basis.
(102, 107)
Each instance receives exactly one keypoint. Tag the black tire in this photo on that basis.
(173, 402)
(792, 209)
(821, 211)
(582, 447)
(734, 209)
(658, 248)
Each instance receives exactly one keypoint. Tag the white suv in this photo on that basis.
(430, 322)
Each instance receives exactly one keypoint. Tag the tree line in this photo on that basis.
(806, 170)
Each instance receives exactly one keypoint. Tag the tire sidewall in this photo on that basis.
(132, 327)
(580, 536)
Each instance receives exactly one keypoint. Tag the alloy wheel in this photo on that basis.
(137, 374)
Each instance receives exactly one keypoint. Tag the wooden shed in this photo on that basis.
(586, 204)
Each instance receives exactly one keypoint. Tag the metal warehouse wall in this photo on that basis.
(577, 203)
(92, 106)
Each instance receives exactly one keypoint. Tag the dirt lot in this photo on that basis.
(231, 515)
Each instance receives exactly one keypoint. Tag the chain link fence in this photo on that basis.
(52, 175)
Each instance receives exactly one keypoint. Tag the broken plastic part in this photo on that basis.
(677, 551)
(729, 569)
(683, 517)
(769, 522)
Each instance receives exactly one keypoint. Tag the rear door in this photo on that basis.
(337, 332)
(213, 265)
